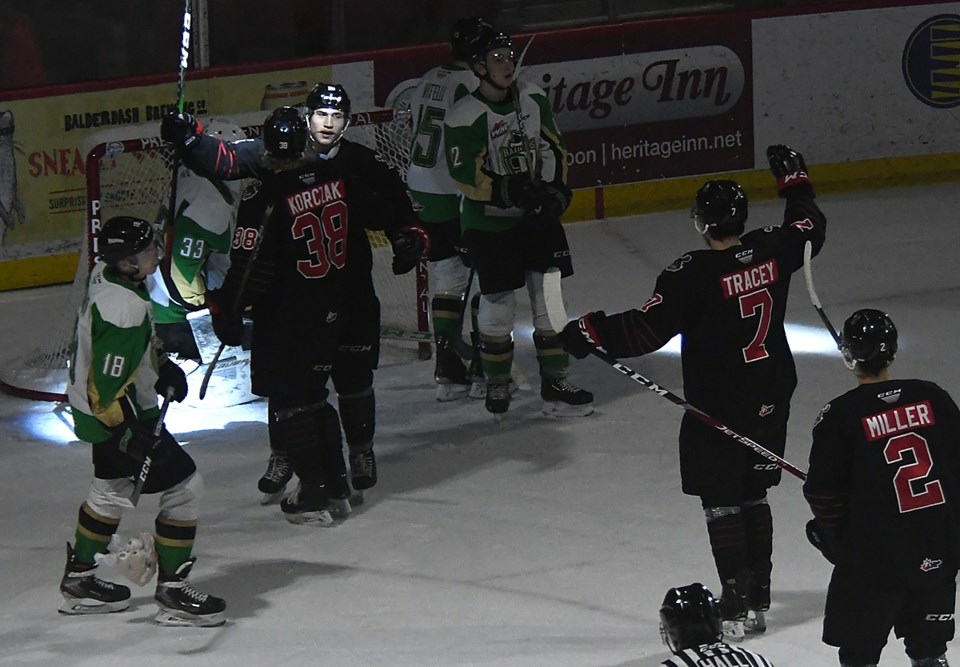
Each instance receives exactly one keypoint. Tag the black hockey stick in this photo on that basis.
(558, 320)
(175, 165)
(241, 288)
(148, 459)
(808, 274)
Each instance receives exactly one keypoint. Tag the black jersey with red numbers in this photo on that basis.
(885, 462)
(729, 306)
(315, 252)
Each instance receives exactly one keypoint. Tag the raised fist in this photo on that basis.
(410, 244)
(180, 129)
(787, 166)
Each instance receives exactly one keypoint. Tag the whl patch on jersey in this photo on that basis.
(316, 197)
(897, 420)
(750, 279)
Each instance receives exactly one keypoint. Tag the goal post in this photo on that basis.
(128, 173)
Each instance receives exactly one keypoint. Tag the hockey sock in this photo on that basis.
(553, 361)
(174, 542)
(358, 414)
(475, 313)
(496, 358)
(445, 309)
(93, 534)
(759, 532)
(728, 542)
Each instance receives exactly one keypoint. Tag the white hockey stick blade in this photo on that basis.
(553, 297)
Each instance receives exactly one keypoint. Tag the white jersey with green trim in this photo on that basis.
(115, 353)
(438, 90)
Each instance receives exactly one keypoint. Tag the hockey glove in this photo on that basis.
(227, 323)
(788, 167)
(818, 538)
(547, 201)
(180, 129)
(512, 190)
(171, 377)
(580, 336)
(410, 244)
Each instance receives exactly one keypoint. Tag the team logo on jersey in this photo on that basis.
(766, 410)
(679, 262)
(804, 224)
(651, 302)
(251, 191)
(891, 396)
(331, 317)
(930, 564)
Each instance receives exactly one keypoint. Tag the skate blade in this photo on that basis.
(756, 622)
(72, 606)
(564, 410)
(272, 498)
(733, 631)
(478, 389)
(321, 518)
(182, 619)
(340, 508)
(452, 392)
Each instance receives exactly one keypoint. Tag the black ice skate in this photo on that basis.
(84, 593)
(183, 605)
(562, 399)
(449, 372)
(340, 495)
(308, 504)
(363, 469)
(733, 613)
(274, 480)
(498, 397)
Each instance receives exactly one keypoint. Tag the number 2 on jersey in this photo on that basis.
(908, 473)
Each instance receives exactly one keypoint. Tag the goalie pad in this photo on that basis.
(134, 558)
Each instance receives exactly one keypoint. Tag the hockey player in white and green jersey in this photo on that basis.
(199, 249)
(116, 371)
(508, 158)
(437, 203)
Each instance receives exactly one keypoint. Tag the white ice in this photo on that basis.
(535, 542)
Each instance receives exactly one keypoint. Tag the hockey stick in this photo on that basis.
(808, 274)
(240, 290)
(148, 459)
(558, 320)
(530, 160)
(181, 96)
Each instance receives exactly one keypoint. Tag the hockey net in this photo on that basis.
(129, 174)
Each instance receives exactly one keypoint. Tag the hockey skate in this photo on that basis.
(308, 504)
(85, 593)
(562, 399)
(758, 604)
(498, 397)
(363, 469)
(449, 373)
(274, 480)
(733, 613)
(183, 605)
(340, 496)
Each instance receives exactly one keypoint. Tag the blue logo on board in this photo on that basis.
(931, 61)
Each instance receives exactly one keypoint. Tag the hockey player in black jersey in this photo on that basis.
(883, 487)
(728, 302)
(690, 627)
(316, 315)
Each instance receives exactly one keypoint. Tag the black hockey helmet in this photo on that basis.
(869, 337)
(689, 616)
(329, 96)
(464, 35)
(720, 207)
(488, 40)
(285, 133)
(122, 237)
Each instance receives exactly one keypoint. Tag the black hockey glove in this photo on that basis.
(410, 245)
(790, 170)
(134, 437)
(172, 377)
(512, 190)
(227, 323)
(180, 129)
(818, 538)
(580, 337)
(547, 201)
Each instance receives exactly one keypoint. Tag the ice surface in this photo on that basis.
(535, 542)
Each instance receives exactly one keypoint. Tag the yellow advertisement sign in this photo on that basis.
(43, 143)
